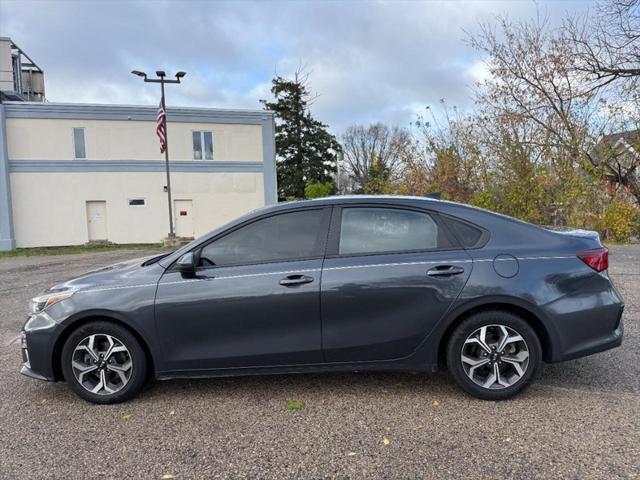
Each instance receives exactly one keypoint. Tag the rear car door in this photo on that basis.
(254, 299)
(389, 275)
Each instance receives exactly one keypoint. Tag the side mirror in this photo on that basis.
(186, 264)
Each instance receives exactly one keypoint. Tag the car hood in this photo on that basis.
(130, 272)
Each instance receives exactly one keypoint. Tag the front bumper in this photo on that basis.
(37, 354)
(27, 372)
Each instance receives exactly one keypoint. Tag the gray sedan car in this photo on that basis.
(335, 284)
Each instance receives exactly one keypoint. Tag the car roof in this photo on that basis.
(348, 199)
(484, 218)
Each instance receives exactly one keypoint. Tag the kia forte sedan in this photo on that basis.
(335, 284)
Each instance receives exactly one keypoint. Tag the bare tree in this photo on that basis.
(607, 46)
(374, 150)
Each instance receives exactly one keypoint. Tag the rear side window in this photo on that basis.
(468, 235)
(288, 236)
(374, 230)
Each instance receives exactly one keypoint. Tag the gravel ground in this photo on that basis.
(580, 420)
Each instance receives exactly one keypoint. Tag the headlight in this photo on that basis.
(39, 304)
(39, 321)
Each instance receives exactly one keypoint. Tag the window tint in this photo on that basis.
(288, 236)
(371, 230)
(78, 143)
(468, 235)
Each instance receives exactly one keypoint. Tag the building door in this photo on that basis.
(97, 220)
(183, 211)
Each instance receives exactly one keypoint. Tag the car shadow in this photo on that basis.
(311, 384)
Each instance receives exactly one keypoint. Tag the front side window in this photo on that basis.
(202, 145)
(78, 143)
(288, 236)
(366, 230)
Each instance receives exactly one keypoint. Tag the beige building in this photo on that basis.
(76, 173)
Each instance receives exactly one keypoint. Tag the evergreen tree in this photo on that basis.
(305, 150)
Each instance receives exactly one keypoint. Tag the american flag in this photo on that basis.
(160, 128)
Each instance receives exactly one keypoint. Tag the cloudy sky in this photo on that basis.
(370, 61)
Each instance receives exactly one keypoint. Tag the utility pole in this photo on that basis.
(161, 80)
(339, 161)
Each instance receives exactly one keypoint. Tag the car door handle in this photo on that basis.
(445, 271)
(292, 280)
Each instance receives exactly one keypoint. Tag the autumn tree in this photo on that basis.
(533, 87)
(447, 149)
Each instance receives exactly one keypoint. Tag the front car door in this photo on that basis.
(254, 299)
(389, 275)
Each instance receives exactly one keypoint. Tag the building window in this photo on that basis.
(78, 143)
(202, 145)
(136, 202)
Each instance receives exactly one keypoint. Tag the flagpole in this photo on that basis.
(166, 161)
(161, 80)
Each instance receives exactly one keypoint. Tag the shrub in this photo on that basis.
(317, 190)
(620, 221)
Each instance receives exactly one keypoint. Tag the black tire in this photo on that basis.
(138, 369)
(485, 319)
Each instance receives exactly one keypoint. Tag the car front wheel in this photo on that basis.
(493, 355)
(103, 362)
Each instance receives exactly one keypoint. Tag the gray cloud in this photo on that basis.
(370, 60)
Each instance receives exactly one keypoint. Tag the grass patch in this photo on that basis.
(295, 405)
(88, 248)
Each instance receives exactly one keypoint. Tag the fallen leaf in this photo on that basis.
(351, 454)
(167, 476)
(419, 427)
(295, 405)
(172, 412)
(127, 417)
(386, 441)
(508, 439)
(435, 404)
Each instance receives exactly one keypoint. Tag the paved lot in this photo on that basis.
(580, 420)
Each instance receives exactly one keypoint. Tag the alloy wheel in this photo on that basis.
(495, 356)
(102, 364)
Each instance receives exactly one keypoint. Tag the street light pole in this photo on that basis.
(161, 80)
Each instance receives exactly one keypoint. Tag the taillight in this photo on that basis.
(598, 258)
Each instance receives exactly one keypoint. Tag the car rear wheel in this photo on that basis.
(493, 355)
(103, 362)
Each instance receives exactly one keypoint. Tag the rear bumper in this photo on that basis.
(595, 336)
